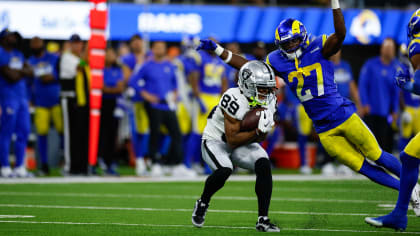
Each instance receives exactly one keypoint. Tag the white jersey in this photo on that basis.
(236, 105)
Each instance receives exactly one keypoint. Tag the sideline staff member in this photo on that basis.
(74, 80)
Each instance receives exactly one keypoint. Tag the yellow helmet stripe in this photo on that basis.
(277, 35)
(416, 13)
(296, 27)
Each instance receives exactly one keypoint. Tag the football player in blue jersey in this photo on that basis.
(187, 71)
(139, 122)
(47, 97)
(14, 105)
(410, 115)
(410, 157)
(304, 66)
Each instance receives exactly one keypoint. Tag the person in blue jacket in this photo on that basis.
(14, 105)
(379, 94)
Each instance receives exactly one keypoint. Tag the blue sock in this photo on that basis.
(302, 140)
(141, 145)
(402, 143)
(390, 162)
(42, 148)
(378, 175)
(165, 145)
(408, 179)
(193, 152)
(185, 139)
(20, 150)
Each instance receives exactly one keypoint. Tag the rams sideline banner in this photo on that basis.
(58, 20)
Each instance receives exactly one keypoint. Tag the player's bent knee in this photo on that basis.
(262, 166)
(223, 172)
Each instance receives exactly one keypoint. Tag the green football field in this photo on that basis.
(164, 208)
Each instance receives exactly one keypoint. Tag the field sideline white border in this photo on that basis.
(132, 179)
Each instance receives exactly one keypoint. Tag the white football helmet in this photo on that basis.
(257, 82)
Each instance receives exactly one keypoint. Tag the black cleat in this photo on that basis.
(199, 213)
(264, 225)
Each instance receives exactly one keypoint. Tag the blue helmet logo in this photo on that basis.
(413, 28)
(288, 30)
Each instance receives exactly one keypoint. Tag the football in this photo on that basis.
(251, 119)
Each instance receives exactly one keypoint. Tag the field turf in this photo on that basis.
(164, 208)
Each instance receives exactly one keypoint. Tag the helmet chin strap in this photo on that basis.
(294, 55)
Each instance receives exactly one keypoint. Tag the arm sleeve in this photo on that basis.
(54, 63)
(4, 59)
(137, 81)
(174, 78)
(363, 84)
(395, 97)
(416, 83)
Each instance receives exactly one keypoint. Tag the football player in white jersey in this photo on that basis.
(224, 145)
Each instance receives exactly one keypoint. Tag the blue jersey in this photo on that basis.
(12, 90)
(187, 65)
(414, 47)
(157, 78)
(45, 94)
(343, 76)
(311, 80)
(212, 72)
(410, 99)
(112, 75)
(377, 87)
(129, 60)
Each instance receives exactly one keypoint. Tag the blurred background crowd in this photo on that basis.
(157, 95)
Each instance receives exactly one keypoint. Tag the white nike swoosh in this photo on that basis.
(316, 49)
(411, 50)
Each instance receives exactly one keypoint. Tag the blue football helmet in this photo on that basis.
(190, 42)
(413, 28)
(288, 30)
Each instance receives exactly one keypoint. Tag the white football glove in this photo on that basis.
(266, 121)
(406, 117)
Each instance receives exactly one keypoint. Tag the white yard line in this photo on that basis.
(207, 226)
(15, 216)
(151, 196)
(181, 210)
(131, 179)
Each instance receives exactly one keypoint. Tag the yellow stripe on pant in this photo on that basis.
(351, 142)
(304, 123)
(413, 147)
(184, 119)
(43, 116)
(209, 101)
(411, 128)
(141, 118)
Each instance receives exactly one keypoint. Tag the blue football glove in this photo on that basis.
(207, 44)
(402, 77)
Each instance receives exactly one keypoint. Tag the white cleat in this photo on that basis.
(141, 169)
(156, 170)
(306, 170)
(264, 225)
(6, 172)
(328, 169)
(415, 200)
(182, 171)
(344, 171)
(21, 172)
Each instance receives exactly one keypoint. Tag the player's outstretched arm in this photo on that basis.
(334, 41)
(234, 136)
(403, 79)
(227, 56)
